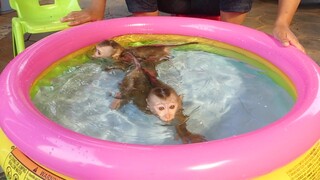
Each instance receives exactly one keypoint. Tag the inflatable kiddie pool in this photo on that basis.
(33, 146)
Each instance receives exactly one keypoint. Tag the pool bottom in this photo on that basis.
(218, 76)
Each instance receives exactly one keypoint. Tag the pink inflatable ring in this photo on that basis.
(81, 157)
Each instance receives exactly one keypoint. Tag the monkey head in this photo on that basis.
(103, 52)
(107, 49)
(164, 103)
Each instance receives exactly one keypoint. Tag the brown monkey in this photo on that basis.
(154, 53)
(152, 96)
(148, 55)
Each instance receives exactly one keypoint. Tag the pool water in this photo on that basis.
(224, 97)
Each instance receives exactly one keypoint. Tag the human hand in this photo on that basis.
(80, 17)
(287, 37)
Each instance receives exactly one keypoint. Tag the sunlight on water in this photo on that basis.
(223, 97)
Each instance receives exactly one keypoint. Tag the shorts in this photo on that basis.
(225, 5)
(135, 6)
(241, 6)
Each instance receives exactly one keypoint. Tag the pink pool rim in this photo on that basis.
(81, 157)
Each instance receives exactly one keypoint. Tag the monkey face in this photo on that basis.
(103, 52)
(165, 109)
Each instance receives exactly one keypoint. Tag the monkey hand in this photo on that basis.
(116, 103)
(192, 138)
(109, 68)
(122, 67)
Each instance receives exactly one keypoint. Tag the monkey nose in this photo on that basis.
(167, 117)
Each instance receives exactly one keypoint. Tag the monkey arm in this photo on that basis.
(184, 134)
(121, 66)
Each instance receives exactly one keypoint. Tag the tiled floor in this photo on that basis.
(306, 26)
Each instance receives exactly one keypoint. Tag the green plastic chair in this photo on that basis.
(34, 18)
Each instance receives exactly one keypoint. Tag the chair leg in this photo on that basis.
(14, 47)
(17, 37)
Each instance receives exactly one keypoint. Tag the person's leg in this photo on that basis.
(143, 7)
(233, 17)
(234, 11)
(154, 13)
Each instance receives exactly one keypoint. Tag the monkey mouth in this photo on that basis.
(172, 122)
(168, 120)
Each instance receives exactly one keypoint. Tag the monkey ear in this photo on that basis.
(181, 97)
(148, 107)
(113, 43)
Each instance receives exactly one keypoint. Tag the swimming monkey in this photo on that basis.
(152, 53)
(152, 96)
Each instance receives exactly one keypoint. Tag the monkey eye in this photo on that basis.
(172, 107)
(161, 108)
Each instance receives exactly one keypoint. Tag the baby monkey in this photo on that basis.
(152, 96)
(151, 53)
